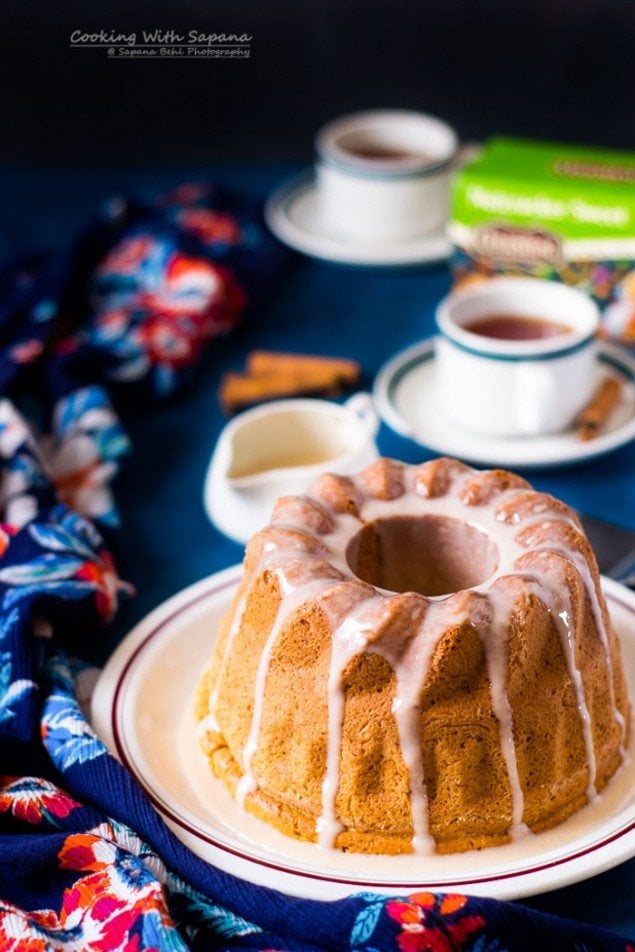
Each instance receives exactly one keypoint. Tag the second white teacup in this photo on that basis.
(515, 387)
(384, 175)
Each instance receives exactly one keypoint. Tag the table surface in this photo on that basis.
(167, 541)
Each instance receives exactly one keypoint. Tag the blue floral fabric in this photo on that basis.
(135, 302)
(85, 861)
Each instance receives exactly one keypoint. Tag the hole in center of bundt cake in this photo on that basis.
(432, 555)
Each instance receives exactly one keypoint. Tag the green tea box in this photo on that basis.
(554, 211)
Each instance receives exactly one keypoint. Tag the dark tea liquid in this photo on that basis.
(384, 153)
(515, 327)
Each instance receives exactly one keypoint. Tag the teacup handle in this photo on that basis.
(361, 404)
(465, 153)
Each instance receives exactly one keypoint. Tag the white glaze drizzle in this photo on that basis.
(291, 599)
(559, 605)
(350, 627)
(207, 723)
(348, 640)
(411, 667)
(210, 721)
(582, 567)
(493, 638)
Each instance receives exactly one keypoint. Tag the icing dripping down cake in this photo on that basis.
(418, 658)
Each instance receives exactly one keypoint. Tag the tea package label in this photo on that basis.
(551, 211)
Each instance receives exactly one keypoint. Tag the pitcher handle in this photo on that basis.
(361, 404)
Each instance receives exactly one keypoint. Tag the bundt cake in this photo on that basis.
(418, 658)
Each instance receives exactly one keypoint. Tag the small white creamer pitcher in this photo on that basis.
(279, 449)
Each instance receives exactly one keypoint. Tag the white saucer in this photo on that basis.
(405, 399)
(292, 214)
(142, 709)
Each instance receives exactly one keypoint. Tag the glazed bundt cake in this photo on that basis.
(417, 658)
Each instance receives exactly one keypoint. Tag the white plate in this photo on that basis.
(406, 400)
(142, 709)
(292, 214)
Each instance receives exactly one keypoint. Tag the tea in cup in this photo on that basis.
(515, 356)
(384, 175)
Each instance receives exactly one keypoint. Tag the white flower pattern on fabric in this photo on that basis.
(82, 453)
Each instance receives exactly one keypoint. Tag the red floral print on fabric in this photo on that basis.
(27, 351)
(107, 584)
(6, 532)
(117, 905)
(17, 934)
(33, 799)
(210, 226)
(125, 256)
(188, 193)
(108, 902)
(419, 935)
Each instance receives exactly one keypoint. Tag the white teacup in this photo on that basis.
(504, 387)
(279, 449)
(384, 175)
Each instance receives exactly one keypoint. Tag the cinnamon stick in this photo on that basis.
(347, 372)
(271, 374)
(241, 390)
(597, 411)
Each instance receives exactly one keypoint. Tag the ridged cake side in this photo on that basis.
(346, 715)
